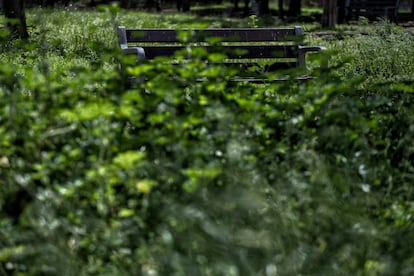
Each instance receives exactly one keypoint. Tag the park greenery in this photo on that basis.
(171, 176)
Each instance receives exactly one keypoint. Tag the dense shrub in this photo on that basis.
(171, 175)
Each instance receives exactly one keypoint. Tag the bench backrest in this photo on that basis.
(279, 46)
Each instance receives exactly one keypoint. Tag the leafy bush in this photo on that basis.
(176, 176)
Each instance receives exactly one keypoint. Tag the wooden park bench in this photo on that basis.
(270, 49)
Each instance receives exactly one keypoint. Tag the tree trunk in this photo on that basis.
(329, 14)
(48, 3)
(341, 11)
(412, 9)
(281, 11)
(125, 4)
(183, 5)
(14, 12)
(295, 8)
(263, 7)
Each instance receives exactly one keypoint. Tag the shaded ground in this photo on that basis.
(403, 19)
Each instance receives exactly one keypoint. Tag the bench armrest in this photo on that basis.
(311, 48)
(139, 52)
(123, 42)
(305, 49)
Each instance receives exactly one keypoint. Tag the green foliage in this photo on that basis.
(171, 175)
(381, 54)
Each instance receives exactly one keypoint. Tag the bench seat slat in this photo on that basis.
(266, 67)
(271, 67)
(251, 52)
